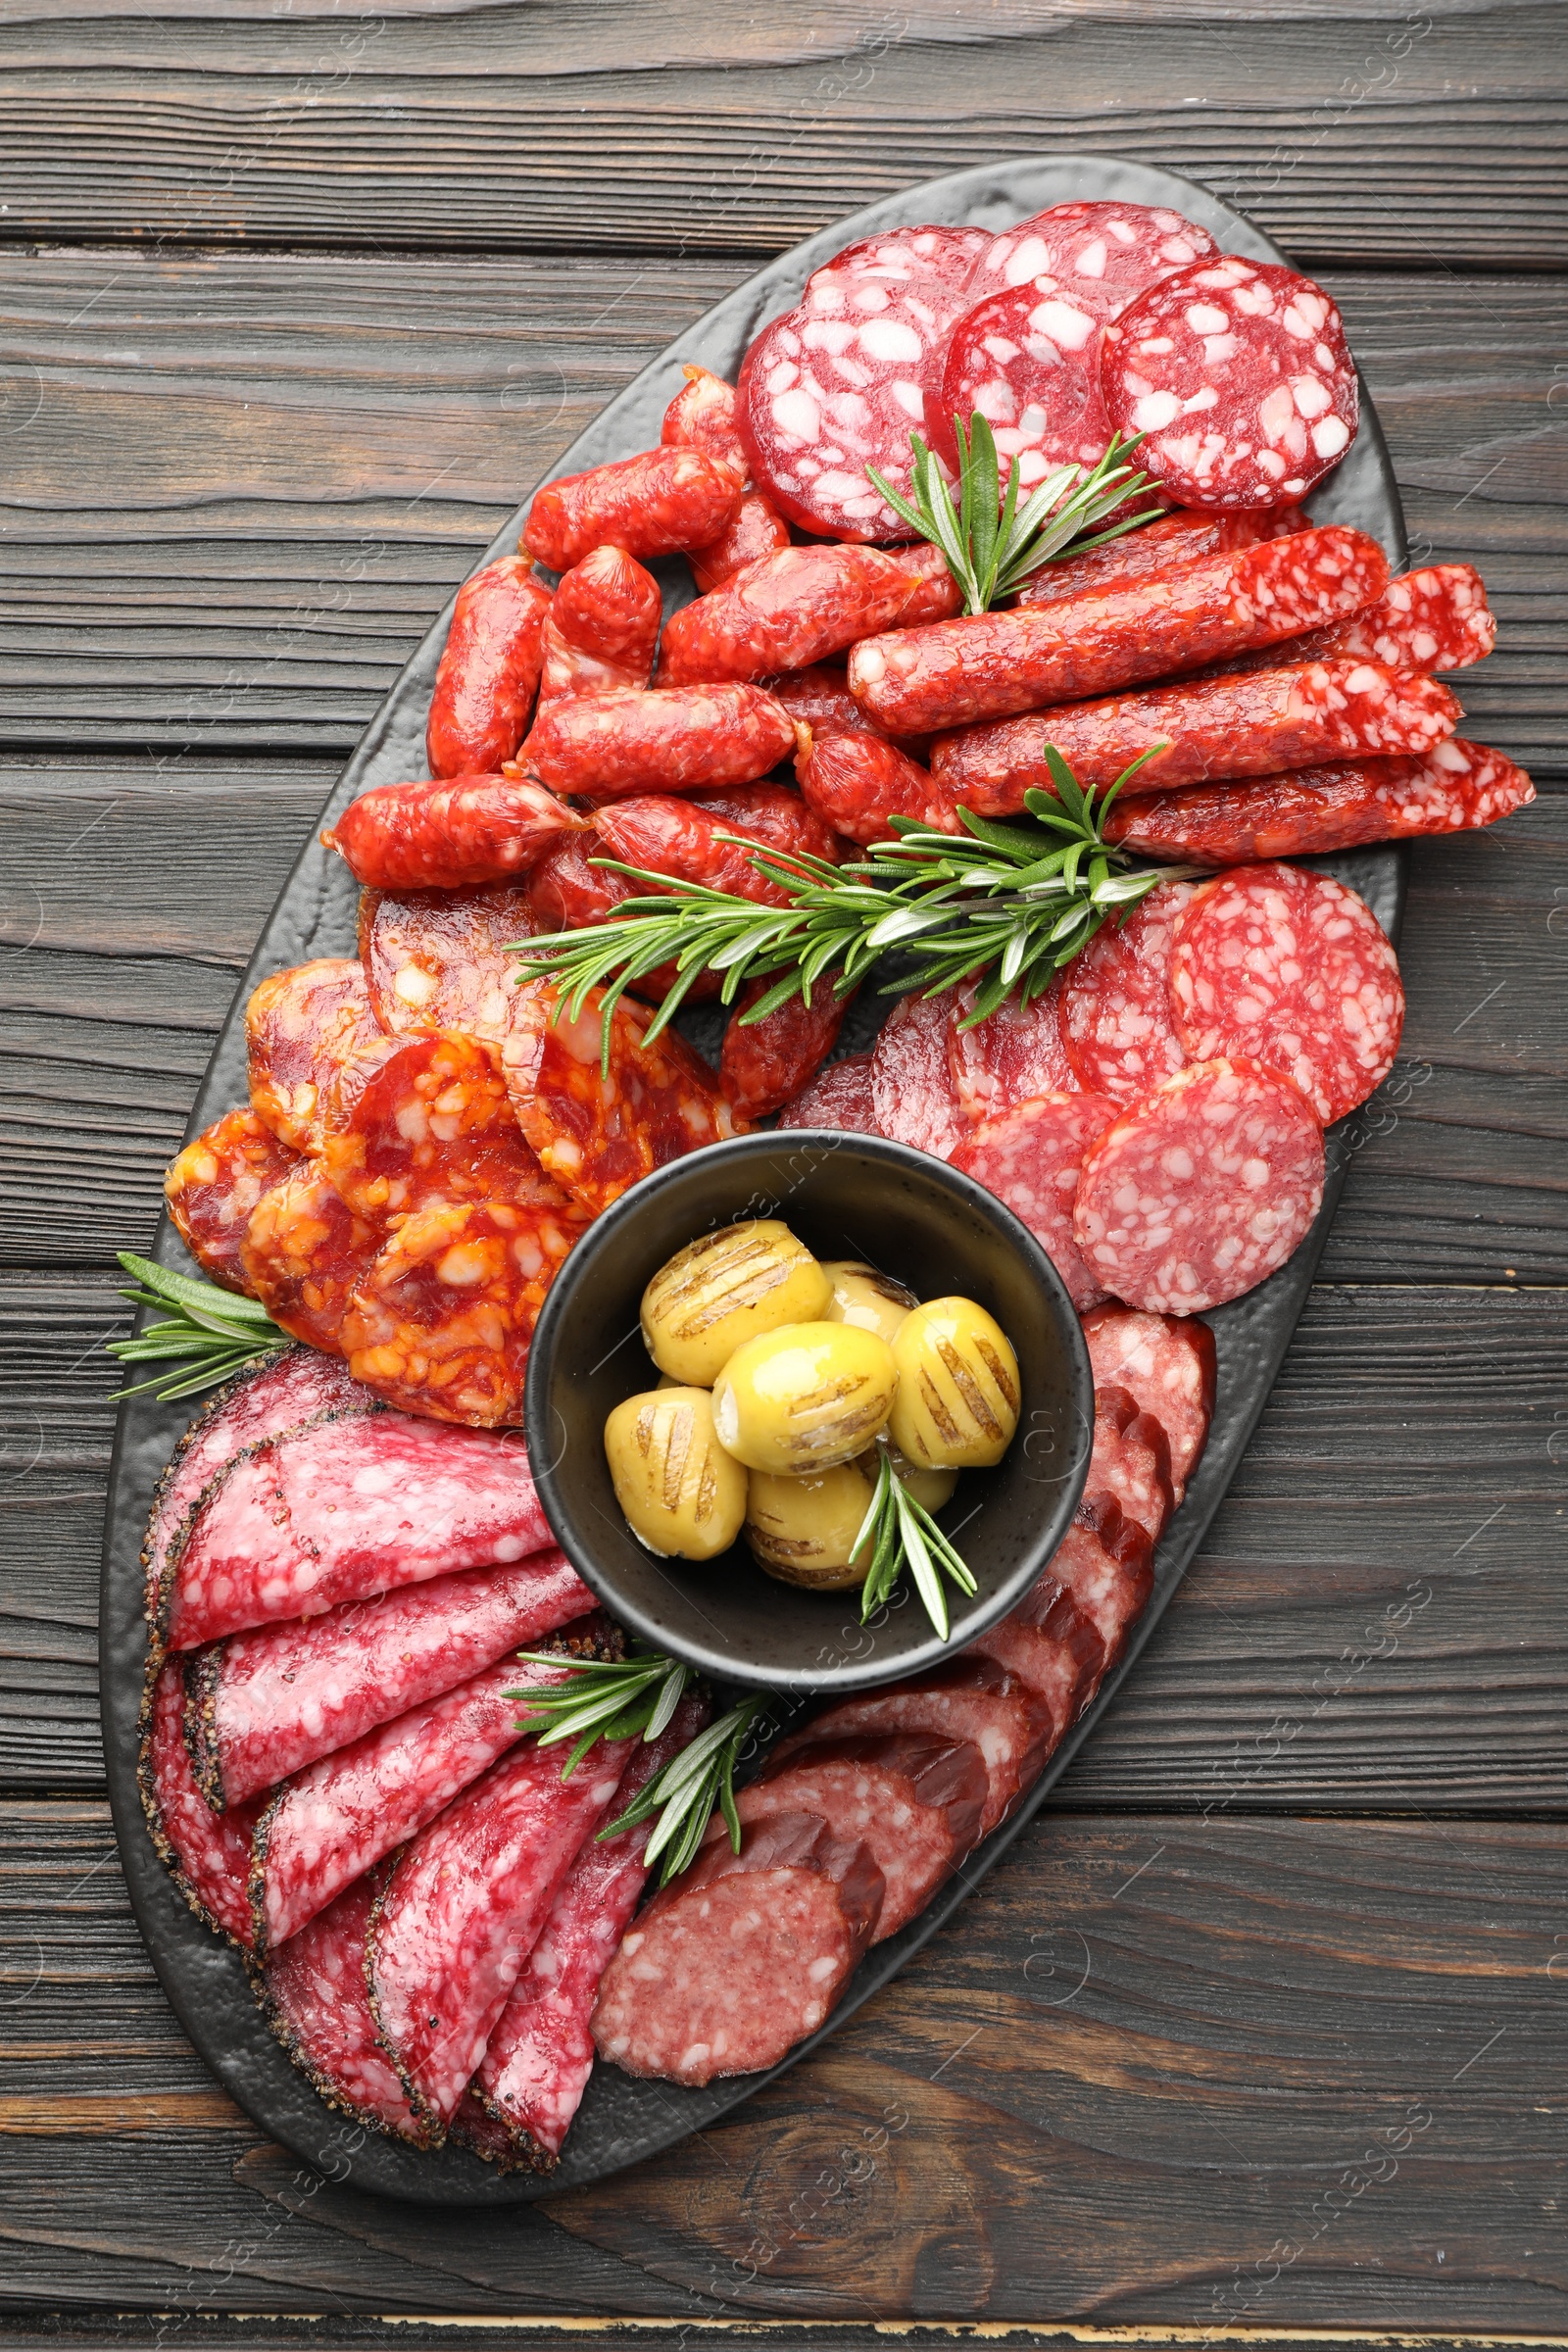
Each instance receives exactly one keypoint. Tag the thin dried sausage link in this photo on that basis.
(788, 610)
(763, 1068)
(489, 670)
(442, 836)
(1436, 618)
(701, 416)
(1179, 538)
(567, 892)
(657, 503)
(603, 627)
(757, 530)
(856, 780)
(215, 1183)
(668, 739)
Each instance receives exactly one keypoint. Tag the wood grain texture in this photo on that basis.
(1349, 141)
(244, 484)
(1155, 2049)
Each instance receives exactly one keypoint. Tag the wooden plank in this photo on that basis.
(1148, 2051)
(1374, 1621)
(441, 131)
(250, 479)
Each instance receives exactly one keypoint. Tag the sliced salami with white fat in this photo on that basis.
(912, 1095)
(1291, 969)
(1014, 1053)
(1119, 1026)
(1130, 1462)
(1049, 1644)
(1239, 374)
(208, 1854)
(1101, 253)
(867, 276)
(1166, 1364)
(1030, 1159)
(837, 1097)
(1202, 1188)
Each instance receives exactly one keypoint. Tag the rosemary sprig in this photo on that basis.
(902, 1534)
(992, 544)
(214, 1333)
(619, 1699)
(1008, 904)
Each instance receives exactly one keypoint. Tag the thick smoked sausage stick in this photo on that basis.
(444, 835)
(601, 628)
(657, 503)
(790, 610)
(1213, 727)
(668, 739)
(1138, 554)
(485, 685)
(1451, 790)
(995, 665)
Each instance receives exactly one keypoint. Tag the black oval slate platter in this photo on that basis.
(623, 2121)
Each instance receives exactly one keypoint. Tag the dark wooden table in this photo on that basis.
(1264, 2025)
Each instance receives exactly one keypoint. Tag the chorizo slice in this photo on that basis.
(264, 1704)
(349, 1505)
(1292, 716)
(657, 503)
(447, 835)
(763, 1068)
(207, 1853)
(596, 1133)
(304, 1251)
(301, 1026)
(742, 1956)
(916, 1802)
(419, 1120)
(668, 739)
(215, 1183)
(347, 1810)
(993, 666)
(442, 1322)
(1166, 1366)
(790, 610)
(537, 2061)
(1202, 1188)
(465, 1906)
(1030, 1157)
(969, 1700)
(437, 959)
(603, 627)
(489, 670)
(313, 1994)
(1118, 1023)
(838, 1097)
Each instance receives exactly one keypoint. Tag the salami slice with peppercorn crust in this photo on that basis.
(208, 1854)
(313, 1996)
(742, 1956)
(215, 1183)
(464, 1907)
(838, 1098)
(1030, 1157)
(301, 1026)
(1239, 374)
(911, 1085)
(1119, 1024)
(1291, 969)
(1202, 1188)
(264, 1704)
(437, 959)
(1166, 1366)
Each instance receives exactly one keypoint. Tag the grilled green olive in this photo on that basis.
(930, 1489)
(866, 1298)
(680, 1490)
(958, 1390)
(804, 1398)
(727, 1287)
(802, 1529)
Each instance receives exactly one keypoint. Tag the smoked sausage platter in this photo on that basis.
(194, 1729)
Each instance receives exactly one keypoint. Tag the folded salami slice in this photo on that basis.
(1212, 727)
(215, 1183)
(1157, 545)
(437, 959)
(1030, 1157)
(301, 1026)
(540, 2054)
(795, 607)
(1014, 1055)
(1104, 254)
(763, 1066)
(419, 1120)
(1049, 1645)
(594, 1134)
(1239, 374)
(344, 1508)
(912, 1092)
(464, 1907)
(442, 1323)
(281, 1392)
(609, 745)
(1119, 1024)
(1202, 1188)
(1453, 789)
(1166, 1366)
(916, 1802)
(969, 1700)
(208, 1854)
(731, 1965)
(264, 1704)
(839, 1097)
(313, 1994)
(1291, 969)
(1130, 1462)
(347, 1810)
(989, 665)
(304, 1251)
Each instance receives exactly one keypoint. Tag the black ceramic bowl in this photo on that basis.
(845, 1196)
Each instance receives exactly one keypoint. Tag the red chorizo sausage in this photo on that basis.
(701, 416)
(757, 530)
(489, 672)
(668, 739)
(1438, 618)
(791, 609)
(763, 1068)
(994, 664)
(668, 836)
(775, 814)
(445, 835)
(857, 780)
(657, 503)
(601, 628)
(1137, 554)
(567, 892)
